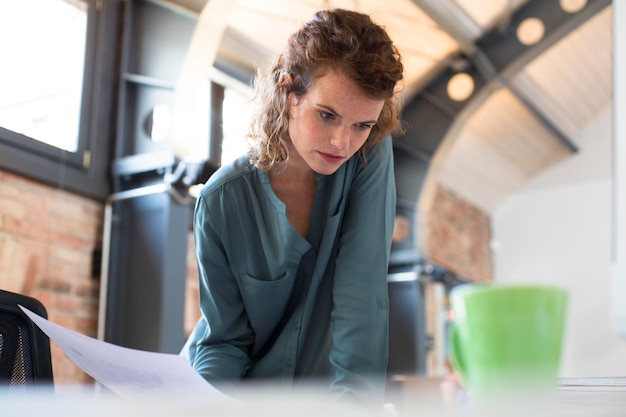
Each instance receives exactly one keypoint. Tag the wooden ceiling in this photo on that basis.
(509, 131)
(501, 144)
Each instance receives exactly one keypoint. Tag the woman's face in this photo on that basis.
(330, 123)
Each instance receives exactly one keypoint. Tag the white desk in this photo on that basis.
(584, 397)
(420, 397)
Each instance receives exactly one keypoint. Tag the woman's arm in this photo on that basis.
(360, 313)
(220, 343)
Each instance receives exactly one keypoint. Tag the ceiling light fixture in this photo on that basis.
(572, 6)
(460, 86)
(530, 31)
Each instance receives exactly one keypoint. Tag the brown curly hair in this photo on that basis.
(344, 40)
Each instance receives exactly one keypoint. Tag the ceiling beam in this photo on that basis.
(454, 20)
(493, 59)
(508, 55)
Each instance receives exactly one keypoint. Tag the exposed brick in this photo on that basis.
(24, 228)
(56, 286)
(459, 236)
(88, 290)
(14, 262)
(46, 239)
(13, 209)
(192, 297)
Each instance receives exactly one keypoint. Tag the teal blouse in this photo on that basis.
(249, 258)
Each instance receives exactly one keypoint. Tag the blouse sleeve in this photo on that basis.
(360, 312)
(221, 340)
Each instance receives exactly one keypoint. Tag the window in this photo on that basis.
(236, 113)
(58, 82)
(42, 83)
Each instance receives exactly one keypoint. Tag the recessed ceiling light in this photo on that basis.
(530, 31)
(460, 86)
(572, 6)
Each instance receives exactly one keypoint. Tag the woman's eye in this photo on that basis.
(327, 116)
(364, 126)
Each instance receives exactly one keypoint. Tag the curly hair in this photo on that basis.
(343, 40)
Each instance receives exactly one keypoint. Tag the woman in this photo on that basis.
(293, 240)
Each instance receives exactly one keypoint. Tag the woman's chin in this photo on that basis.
(326, 170)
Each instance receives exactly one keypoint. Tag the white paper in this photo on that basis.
(128, 372)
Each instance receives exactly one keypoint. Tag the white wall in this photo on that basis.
(619, 157)
(557, 230)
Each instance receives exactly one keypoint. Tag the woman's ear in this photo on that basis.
(285, 78)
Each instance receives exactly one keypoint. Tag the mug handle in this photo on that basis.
(456, 353)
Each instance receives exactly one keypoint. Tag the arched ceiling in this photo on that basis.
(529, 101)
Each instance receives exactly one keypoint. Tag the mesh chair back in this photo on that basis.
(25, 358)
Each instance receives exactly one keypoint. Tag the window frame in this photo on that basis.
(85, 171)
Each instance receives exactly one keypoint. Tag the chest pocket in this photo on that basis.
(265, 302)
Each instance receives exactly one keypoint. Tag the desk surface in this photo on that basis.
(578, 397)
(590, 396)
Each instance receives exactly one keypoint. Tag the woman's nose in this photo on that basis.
(341, 138)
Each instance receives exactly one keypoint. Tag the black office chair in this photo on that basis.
(25, 359)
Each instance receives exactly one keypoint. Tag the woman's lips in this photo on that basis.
(333, 159)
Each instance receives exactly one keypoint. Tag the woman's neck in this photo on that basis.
(296, 188)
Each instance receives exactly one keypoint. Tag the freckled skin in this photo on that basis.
(330, 123)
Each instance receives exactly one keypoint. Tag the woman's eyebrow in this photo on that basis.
(336, 113)
(329, 109)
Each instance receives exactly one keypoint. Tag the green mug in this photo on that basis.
(506, 339)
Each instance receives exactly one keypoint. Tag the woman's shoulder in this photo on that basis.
(239, 171)
(377, 157)
(383, 150)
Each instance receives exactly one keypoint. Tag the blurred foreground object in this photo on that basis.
(506, 340)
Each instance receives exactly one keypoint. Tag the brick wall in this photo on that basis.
(47, 236)
(192, 306)
(459, 237)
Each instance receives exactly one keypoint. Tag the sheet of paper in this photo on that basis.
(128, 372)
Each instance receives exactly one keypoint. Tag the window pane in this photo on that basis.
(236, 113)
(43, 51)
